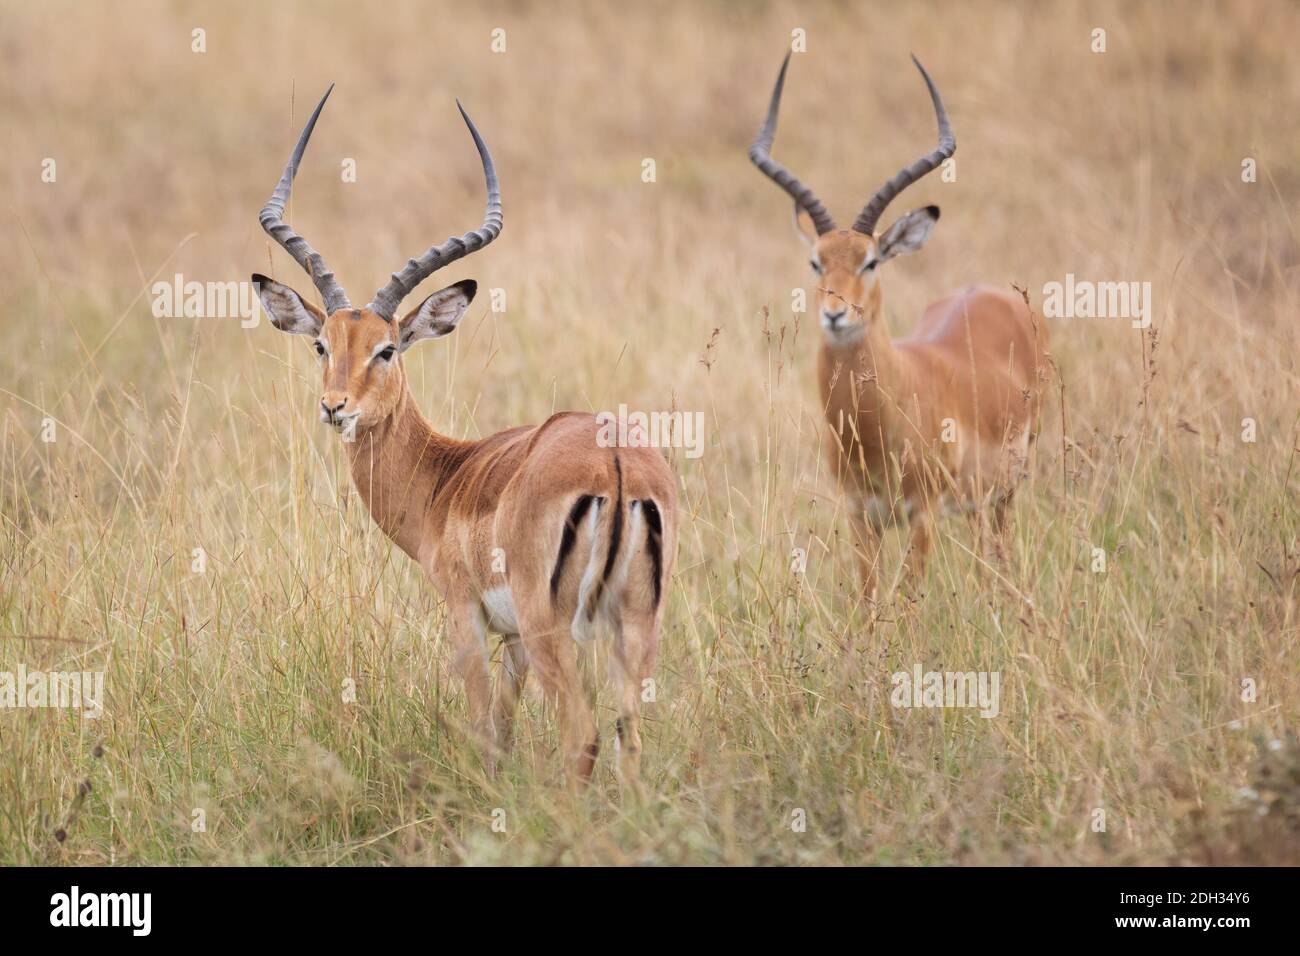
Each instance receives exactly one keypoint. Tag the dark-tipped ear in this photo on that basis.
(288, 311)
(909, 233)
(438, 315)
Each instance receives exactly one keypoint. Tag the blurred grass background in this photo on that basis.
(1121, 691)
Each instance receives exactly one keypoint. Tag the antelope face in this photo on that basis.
(847, 264)
(847, 260)
(359, 350)
(358, 355)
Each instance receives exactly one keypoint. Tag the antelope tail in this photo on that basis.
(607, 536)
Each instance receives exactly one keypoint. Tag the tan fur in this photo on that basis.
(976, 358)
(448, 504)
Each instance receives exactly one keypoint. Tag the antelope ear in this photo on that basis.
(438, 315)
(909, 233)
(288, 311)
(804, 226)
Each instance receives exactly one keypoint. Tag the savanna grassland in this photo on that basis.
(284, 695)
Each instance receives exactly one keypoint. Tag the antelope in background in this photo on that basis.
(942, 417)
(588, 533)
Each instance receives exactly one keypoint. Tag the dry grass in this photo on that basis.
(224, 689)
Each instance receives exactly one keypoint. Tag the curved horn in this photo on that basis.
(272, 219)
(803, 197)
(866, 221)
(416, 271)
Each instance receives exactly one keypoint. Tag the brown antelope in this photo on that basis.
(942, 417)
(587, 533)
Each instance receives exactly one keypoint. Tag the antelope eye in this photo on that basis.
(320, 349)
(868, 265)
(387, 354)
(816, 267)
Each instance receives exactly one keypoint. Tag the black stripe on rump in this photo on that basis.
(654, 543)
(615, 537)
(567, 539)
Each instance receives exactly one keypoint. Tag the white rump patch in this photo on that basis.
(634, 536)
(583, 624)
(580, 627)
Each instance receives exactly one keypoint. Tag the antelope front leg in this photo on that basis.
(469, 645)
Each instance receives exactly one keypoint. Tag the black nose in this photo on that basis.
(337, 408)
(834, 317)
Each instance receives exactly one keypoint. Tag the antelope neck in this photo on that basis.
(400, 466)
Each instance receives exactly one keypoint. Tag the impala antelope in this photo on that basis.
(588, 532)
(940, 418)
